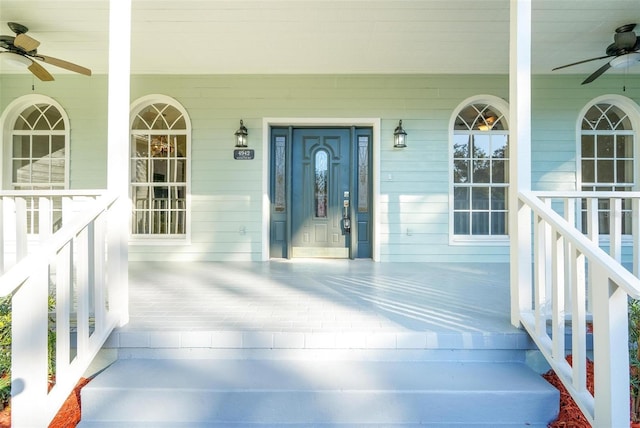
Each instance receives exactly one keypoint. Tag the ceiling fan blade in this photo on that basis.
(40, 72)
(597, 73)
(26, 43)
(64, 64)
(581, 62)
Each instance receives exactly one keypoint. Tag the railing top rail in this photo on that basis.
(623, 278)
(578, 194)
(15, 277)
(55, 192)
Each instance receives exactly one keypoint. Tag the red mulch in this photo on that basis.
(67, 417)
(570, 415)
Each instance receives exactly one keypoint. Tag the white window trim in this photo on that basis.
(632, 109)
(7, 121)
(503, 107)
(136, 107)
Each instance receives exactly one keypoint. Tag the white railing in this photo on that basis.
(70, 266)
(576, 285)
(28, 218)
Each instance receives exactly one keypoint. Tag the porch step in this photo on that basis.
(319, 393)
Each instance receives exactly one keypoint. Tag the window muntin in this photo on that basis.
(480, 172)
(607, 160)
(159, 149)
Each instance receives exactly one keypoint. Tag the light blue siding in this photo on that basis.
(226, 216)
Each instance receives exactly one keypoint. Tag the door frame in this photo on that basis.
(373, 123)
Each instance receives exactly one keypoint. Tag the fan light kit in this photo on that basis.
(623, 52)
(625, 60)
(16, 59)
(23, 50)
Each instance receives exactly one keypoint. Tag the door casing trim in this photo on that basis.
(374, 123)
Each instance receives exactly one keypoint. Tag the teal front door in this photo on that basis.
(320, 192)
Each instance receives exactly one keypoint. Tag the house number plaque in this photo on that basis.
(243, 154)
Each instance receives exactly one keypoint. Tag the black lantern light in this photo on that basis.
(241, 135)
(399, 137)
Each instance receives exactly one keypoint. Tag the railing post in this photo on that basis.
(579, 321)
(635, 230)
(615, 229)
(540, 273)
(3, 246)
(21, 227)
(558, 295)
(29, 331)
(611, 367)
(45, 211)
(593, 233)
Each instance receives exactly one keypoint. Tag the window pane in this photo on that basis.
(139, 168)
(461, 171)
(588, 146)
(363, 174)
(461, 146)
(461, 223)
(499, 146)
(499, 172)
(180, 142)
(461, 198)
(57, 144)
(605, 171)
(21, 146)
(280, 184)
(588, 171)
(499, 198)
(480, 222)
(480, 198)
(624, 173)
(624, 146)
(321, 185)
(481, 146)
(22, 171)
(605, 146)
(481, 171)
(40, 146)
(498, 223)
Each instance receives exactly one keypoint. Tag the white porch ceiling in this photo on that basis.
(323, 36)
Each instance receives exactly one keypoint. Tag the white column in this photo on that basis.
(520, 154)
(118, 153)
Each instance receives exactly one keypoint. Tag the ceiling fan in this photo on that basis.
(623, 51)
(23, 49)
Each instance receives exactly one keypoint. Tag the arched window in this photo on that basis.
(38, 148)
(480, 171)
(36, 151)
(607, 152)
(160, 135)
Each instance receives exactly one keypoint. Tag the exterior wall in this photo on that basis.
(414, 182)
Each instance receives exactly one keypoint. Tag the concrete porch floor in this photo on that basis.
(320, 296)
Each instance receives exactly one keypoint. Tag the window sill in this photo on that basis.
(492, 241)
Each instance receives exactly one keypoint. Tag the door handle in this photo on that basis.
(346, 221)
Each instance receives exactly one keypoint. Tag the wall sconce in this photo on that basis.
(399, 137)
(241, 135)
